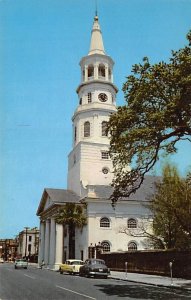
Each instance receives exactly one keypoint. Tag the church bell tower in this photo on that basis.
(89, 162)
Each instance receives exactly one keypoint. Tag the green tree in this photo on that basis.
(157, 116)
(171, 207)
(73, 216)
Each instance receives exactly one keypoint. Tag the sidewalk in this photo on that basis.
(152, 280)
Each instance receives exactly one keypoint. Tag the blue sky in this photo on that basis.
(41, 44)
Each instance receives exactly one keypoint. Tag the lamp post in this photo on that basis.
(26, 228)
(98, 249)
(90, 250)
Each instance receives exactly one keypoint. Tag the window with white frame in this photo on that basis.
(86, 129)
(90, 71)
(104, 222)
(104, 154)
(104, 128)
(131, 223)
(101, 70)
(105, 246)
(132, 246)
(89, 97)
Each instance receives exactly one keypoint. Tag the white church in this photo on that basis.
(90, 172)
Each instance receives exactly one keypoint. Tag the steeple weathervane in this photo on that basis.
(96, 45)
(96, 7)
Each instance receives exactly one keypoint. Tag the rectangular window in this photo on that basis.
(89, 97)
(105, 155)
(30, 238)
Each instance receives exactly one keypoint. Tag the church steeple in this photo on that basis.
(96, 45)
(89, 160)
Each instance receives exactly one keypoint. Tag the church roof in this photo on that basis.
(62, 196)
(57, 196)
(96, 45)
(142, 194)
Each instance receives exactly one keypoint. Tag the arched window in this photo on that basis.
(106, 246)
(104, 128)
(132, 223)
(86, 129)
(90, 71)
(101, 70)
(104, 222)
(132, 246)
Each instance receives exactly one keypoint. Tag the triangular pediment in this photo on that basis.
(55, 197)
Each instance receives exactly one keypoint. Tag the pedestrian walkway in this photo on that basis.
(152, 279)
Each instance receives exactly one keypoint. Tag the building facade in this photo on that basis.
(8, 249)
(28, 241)
(90, 172)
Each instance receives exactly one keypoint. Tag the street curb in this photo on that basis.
(155, 284)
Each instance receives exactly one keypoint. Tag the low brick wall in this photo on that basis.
(151, 262)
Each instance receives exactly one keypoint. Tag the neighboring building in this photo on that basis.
(90, 172)
(28, 241)
(8, 249)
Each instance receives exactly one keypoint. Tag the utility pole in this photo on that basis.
(26, 228)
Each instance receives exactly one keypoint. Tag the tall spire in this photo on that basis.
(96, 45)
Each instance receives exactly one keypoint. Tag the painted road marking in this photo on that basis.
(60, 287)
(29, 276)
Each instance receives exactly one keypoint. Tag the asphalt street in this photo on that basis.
(37, 284)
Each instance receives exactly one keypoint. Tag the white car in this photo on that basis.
(1, 260)
(21, 263)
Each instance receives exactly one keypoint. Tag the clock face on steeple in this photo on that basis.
(102, 97)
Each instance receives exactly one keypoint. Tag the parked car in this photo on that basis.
(1, 260)
(21, 263)
(94, 267)
(71, 266)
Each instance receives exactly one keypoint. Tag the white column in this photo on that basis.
(59, 244)
(41, 243)
(52, 242)
(96, 71)
(47, 242)
(86, 73)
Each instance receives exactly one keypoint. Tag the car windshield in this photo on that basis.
(77, 262)
(22, 260)
(97, 262)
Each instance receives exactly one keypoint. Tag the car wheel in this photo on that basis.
(105, 277)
